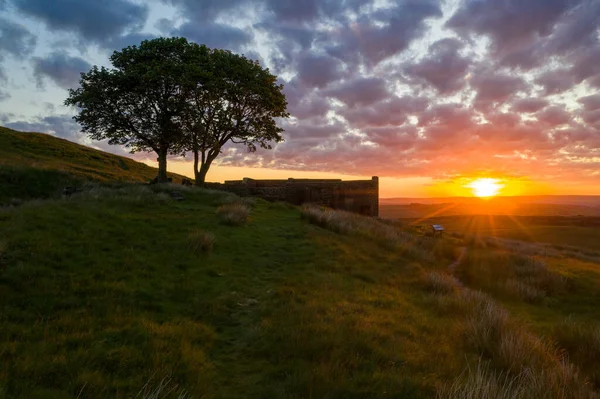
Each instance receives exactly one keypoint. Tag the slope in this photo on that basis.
(101, 293)
(36, 165)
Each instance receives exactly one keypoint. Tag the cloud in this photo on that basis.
(554, 116)
(95, 21)
(214, 35)
(383, 33)
(555, 81)
(132, 39)
(443, 67)
(62, 126)
(510, 24)
(316, 70)
(60, 68)
(590, 103)
(15, 39)
(496, 88)
(529, 105)
(360, 91)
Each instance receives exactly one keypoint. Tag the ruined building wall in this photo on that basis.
(359, 196)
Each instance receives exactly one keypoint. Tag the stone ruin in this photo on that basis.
(358, 196)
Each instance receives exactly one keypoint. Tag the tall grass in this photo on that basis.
(412, 245)
(235, 214)
(530, 366)
(128, 193)
(440, 283)
(165, 388)
(512, 274)
(582, 343)
(201, 241)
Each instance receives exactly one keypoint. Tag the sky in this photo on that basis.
(426, 94)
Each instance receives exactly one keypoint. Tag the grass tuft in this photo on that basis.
(581, 341)
(164, 389)
(201, 241)
(440, 283)
(235, 214)
(523, 291)
(484, 382)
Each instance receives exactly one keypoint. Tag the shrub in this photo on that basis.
(235, 214)
(201, 241)
(440, 283)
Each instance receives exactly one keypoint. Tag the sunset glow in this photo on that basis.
(485, 187)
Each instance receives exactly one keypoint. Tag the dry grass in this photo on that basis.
(200, 241)
(582, 343)
(523, 291)
(411, 245)
(440, 283)
(517, 275)
(484, 383)
(531, 367)
(235, 214)
(130, 194)
(164, 389)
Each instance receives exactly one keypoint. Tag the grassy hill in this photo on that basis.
(119, 292)
(36, 165)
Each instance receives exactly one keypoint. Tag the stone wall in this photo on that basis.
(359, 196)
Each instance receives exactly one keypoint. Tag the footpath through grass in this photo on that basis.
(107, 291)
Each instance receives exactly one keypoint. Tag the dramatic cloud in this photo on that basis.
(382, 34)
(214, 35)
(443, 68)
(360, 91)
(396, 88)
(316, 70)
(510, 24)
(60, 68)
(529, 105)
(62, 126)
(496, 88)
(96, 21)
(15, 39)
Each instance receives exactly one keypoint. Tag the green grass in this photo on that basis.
(36, 165)
(581, 232)
(102, 293)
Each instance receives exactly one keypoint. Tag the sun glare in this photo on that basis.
(485, 187)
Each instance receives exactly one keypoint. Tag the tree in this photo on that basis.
(141, 102)
(231, 99)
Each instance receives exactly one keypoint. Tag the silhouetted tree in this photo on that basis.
(232, 99)
(140, 103)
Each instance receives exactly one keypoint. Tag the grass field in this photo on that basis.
(116, 289)
(120, 291)
(102, 293)
(36, 165)
(581, 232)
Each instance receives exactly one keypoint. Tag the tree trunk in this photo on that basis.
(201, 174)
(162, 166)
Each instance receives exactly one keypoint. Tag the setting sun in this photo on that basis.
(485, 187)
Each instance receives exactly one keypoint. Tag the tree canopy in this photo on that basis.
(233, 99)
(172, 96)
